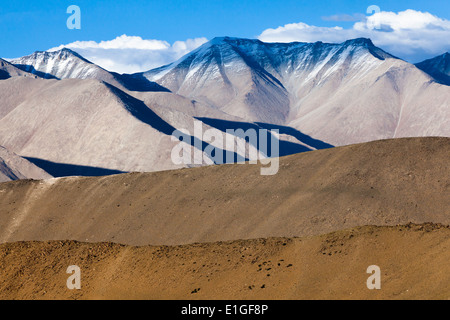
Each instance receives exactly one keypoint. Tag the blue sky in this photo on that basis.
(27, 26)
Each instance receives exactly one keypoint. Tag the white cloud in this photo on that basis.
(410, 34)
(130, 54)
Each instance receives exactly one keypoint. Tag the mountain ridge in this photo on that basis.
(437, 67)
(68, 64)
(313, 86)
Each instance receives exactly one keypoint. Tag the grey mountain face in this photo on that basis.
(340, 93)
(256, 80)
(88, 127)
(437, 67)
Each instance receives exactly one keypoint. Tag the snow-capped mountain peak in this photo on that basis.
(229, 51)
(60, 64)
(226, 70)
(68, 64)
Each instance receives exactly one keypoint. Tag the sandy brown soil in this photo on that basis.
(414, 262)
(385, 182)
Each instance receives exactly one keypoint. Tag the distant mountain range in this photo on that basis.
(70, 116)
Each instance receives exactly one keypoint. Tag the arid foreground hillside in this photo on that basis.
(226, 232)
(414, 263)
(386, 182)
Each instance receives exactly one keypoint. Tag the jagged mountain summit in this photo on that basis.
(339, 93)
(278, 58)
(256, 80)
(222, 74)
(437, 67)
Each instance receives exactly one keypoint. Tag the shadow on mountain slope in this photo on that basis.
(317, 144)
(4, 75)
(137, 82)
(66, 170)
(31, 69)
(143, 113)
(286, 147)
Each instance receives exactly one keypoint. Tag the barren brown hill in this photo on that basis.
(381, 183)
(413, 259)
